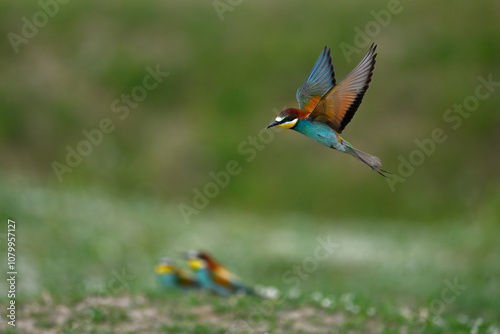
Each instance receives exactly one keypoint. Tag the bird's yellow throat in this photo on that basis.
(196, 264)
(289, 125)
(162, 269)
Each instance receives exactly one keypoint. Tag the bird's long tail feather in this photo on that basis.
(370, 160)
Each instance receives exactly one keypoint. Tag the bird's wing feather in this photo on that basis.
(338, 106)
(223, 274)
(184, 274)
(319, 81)
(221, 281)
(187, 281)
(222, 277)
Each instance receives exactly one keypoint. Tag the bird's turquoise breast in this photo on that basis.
(204, 277)
(318, 131)
(168, 280)
(206, 281)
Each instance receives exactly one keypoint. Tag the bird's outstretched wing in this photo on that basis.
(337, 107)
(319, 81)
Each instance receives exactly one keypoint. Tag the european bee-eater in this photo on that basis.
(213, 276)
(170, 276)
(327, 107)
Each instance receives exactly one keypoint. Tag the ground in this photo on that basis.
(85, 262)
(203, 313)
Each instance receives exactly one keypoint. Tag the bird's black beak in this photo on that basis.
(274, 123)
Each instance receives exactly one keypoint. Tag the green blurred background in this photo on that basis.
(227, 80)
(226, 77)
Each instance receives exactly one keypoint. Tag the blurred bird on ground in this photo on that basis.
(215, 277)
(169, 276)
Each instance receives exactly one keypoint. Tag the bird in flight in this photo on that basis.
(327, 107)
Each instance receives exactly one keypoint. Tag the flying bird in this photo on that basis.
(170, 276)
(327, 107)
(215, 277)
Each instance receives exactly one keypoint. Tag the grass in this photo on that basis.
(86, 247)
(202, 313)
(74, 245)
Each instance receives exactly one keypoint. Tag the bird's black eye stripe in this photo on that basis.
(285, 119)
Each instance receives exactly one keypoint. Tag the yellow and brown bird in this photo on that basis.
(169, 276)
(213, 276)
